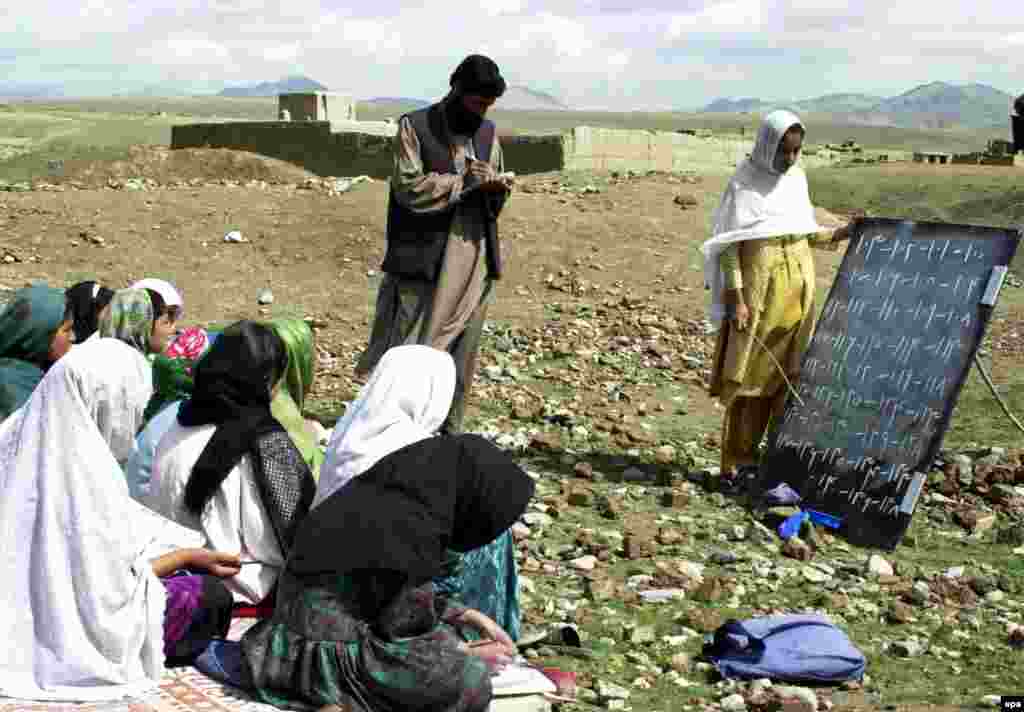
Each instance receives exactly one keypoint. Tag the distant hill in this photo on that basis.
(520, 98)
(516, 98)
(933, 105)
(395, 100)
(283, 86)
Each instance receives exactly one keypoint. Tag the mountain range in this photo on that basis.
(932, 105)
(516, 98)
(287, 85)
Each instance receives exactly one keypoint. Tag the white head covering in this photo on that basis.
(406, 400)
(759, 203)
(166, 290)
(84, 611)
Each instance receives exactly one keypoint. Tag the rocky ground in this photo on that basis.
(593, 371)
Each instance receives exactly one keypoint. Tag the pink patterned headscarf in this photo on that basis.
(189, 344)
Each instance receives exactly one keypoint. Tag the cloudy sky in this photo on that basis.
(590, 53)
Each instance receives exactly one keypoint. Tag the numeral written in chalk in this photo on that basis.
(933, 250)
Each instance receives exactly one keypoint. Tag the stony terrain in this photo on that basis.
(593, 371)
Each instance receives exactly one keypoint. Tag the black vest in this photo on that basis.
(416, 241)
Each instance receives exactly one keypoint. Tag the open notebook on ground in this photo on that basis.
(521, 679)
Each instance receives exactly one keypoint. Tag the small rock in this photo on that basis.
(638, 547)
(900, 612)
(954, 572)
(877, 566)
(738, 532)
(910, 648)
(681, 662)
(796, 548)
(642, 635)
(537, 519)
(993, 701)
(734, 703)
(685, 201)
(814, 575)
(609, 691)
(805, 697)
(580, 497)
(634, 474)
(670, 537)
(584, 471)
(265, 297)
(920, 593)
(584, 563)
(665, 455)
(675, 499)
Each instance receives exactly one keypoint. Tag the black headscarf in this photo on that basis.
(86, 300)
(233, 382)
(477, 75)
(447, 492)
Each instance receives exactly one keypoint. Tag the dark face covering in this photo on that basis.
(461, 121)
(476, 75)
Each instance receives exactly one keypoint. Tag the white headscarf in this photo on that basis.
(166, 290)
(83, 610)
(406, 400)
(759, 203)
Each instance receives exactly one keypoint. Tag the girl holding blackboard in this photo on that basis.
(759, 268)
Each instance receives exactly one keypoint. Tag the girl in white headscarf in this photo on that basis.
(405, 400)
(760, 271)
(87, 615)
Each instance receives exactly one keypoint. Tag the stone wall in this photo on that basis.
(310, 144)
(349, 148)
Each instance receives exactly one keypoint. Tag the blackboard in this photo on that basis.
(882, 373)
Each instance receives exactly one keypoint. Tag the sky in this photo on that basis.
(592, 54)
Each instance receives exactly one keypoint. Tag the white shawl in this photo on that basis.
(406, 399)
(758, 203)
(83, 611)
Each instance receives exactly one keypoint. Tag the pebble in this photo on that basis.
(814, 575)
(537, 519)
(610, 691)
(681, 662)
(804, 694)
(878, 566)
(734, 703)
(584, 563)
(910, 648)
(265, 297)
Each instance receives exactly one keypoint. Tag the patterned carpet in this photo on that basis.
(181, 690)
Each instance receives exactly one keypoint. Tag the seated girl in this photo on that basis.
(141, 319)
(358, 622)
(95, 620)
(227, 468)
(296, 383)
(172, 376)
(86, 302)
(34, 333)
(399, 406)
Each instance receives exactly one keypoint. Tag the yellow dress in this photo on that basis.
(776, 278)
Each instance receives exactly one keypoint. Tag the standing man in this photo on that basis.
(442, 248)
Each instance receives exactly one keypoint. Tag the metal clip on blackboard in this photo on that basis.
(988, 299)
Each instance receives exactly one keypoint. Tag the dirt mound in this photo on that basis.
(163, 165)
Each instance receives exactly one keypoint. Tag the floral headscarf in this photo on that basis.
(130, 319)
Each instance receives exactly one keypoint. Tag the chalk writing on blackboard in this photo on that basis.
(883, 370)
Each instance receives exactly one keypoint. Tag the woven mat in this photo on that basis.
(181, 690)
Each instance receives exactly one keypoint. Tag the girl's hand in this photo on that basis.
(742, 317)
(216, 563)
(489, 631)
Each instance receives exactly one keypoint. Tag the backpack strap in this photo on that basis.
(483, 141)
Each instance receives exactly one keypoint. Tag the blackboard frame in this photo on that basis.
(787, 457)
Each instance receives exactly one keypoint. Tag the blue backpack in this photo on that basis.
(789, 648)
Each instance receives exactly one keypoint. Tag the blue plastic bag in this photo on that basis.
(788, 648)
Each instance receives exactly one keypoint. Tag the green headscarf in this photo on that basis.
(130, 319)
(297, 381)
(27, 327)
